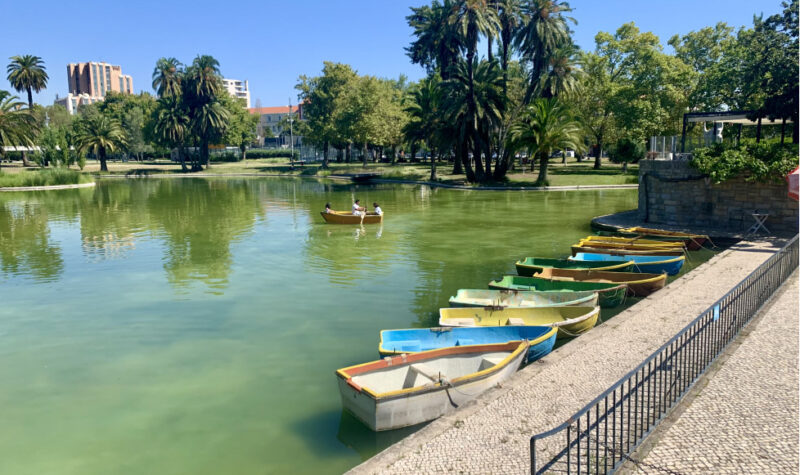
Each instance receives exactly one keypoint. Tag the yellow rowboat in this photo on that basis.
(692, 241)
(620, 251)
(639, 284)
(343, 217)
(624, 241)
(570, 321)
(632, 247)
(409, 389)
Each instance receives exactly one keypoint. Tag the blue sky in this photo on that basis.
(271, 43)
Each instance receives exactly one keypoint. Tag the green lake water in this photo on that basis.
(179, 326)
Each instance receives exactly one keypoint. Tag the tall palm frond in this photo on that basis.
(99, 134)
(437, 45)
(18, 127)
(167, 77)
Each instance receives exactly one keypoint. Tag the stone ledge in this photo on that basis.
(49, 187)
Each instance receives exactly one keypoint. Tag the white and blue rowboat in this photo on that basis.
(408, 389)
(522, 298)
(649, 264)
(414, 340)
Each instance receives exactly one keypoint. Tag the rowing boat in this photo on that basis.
(344, 217)
(610, 295)
(405, 390)
(394, 342)
(531, 265)
(622, 252)
(514, 298)
(570, 321)
(651, 264)
(692, 241)
(639, 284)
(634, 246)
(632, 240)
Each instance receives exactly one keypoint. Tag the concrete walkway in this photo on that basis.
(491, 434)
(742, 418)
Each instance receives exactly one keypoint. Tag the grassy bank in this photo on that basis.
(569, 174)
(56, 176)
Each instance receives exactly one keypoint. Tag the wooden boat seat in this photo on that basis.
(405, 345)
(465, 341)
(423, 370)
(488, 362)
(515, 321)
(462, 322)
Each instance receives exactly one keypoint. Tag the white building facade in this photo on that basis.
(238, 89)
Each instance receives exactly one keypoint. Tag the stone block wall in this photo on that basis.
(671, 192)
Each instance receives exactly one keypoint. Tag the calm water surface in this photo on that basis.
(193, 326)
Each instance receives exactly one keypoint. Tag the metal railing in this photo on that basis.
(600, 437)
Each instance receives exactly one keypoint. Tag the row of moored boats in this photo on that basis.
(487, 334)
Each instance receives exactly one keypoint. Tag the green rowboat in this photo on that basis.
(534, 265)
(610, 294)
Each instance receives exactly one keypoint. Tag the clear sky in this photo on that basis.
(271, 43)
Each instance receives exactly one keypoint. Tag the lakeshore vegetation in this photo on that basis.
(531, 95)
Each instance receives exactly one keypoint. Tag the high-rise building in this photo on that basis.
(89, 83)
(239, 89)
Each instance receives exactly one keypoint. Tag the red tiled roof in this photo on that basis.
(272, 110)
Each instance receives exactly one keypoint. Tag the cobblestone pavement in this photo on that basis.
(745, 419)
(491, 434)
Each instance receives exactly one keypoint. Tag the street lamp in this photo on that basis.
(291, 133)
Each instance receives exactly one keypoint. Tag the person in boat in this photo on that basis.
(358, 210)
(328, 209)
(378, 209)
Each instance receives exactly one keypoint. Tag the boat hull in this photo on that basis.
(532, 265)
(421, 403)
(648, 264)
(525, 299)
(341, 217)
(639, 284)
(570, 321)
(693, 242)
(621, 252)
(541, 339)
(609, 295)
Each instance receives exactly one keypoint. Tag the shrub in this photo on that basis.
(224, 157)
(627, 151)
(272, 153)
(757, 162)
(53, 176)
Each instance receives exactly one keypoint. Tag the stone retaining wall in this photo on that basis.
(671, 192)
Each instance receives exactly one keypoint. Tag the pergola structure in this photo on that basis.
(730, 117)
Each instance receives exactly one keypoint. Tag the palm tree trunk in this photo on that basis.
(488, 153)
(204, 155)
(30, 99)
(182, 158)
(542, 178)
(348, 152)
(489, 48)
(101, 155)
(364, 153)
(25, 162)
(457, 168)
(325, 155)
(433, 165)
(597, 159)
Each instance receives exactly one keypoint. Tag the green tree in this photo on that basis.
(171, 126)
(426, 122)
(544, 127)
(438, 45)
(99, 134)
(27, 73)
(627, 151)
(241, 130)
(167, 77)
(18, 126)
(201, 92)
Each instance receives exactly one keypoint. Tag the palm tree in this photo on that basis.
(544, 30)
(18, 127)
(438, 44)
(561, 75)
(167, 77)
(27, 73)
(99, 134)
(509, 14)
(208, 122)
(171, 125)
(545, 126)
(207, 117)
(205, 77)
(425, 117)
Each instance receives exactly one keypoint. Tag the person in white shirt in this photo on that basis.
(378, 209)
(358, 210)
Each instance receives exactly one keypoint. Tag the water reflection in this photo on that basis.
(25, 247)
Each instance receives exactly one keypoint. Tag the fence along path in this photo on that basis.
(598, 438)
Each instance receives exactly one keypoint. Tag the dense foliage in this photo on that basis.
(759, 162)
(627, 151)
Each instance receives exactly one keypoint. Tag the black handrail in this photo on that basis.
(661, 380)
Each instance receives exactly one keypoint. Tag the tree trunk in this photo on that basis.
(205, 155)
(394, 155)
(598, 159)
(364, 153)
(325, 155)
(457, 168)
(488, 153)
(413, 151)
(30, 99)
(625, 167)
(182, 158)
(348, 152)
(25, 162)
(433, 166)
(101, 155)
(465, 162)
(502, 167)
(489, 55)
(339, 155)
(542, 178)
(243, 148)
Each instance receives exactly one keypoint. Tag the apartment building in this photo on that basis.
(89, 83)
(239, 89)
(269, 117)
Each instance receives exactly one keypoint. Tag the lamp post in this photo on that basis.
(291, 133)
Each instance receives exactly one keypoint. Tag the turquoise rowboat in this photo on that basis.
(610, 294)
(414, 340)
(514, 298)
(534, 265)
(650, 264)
